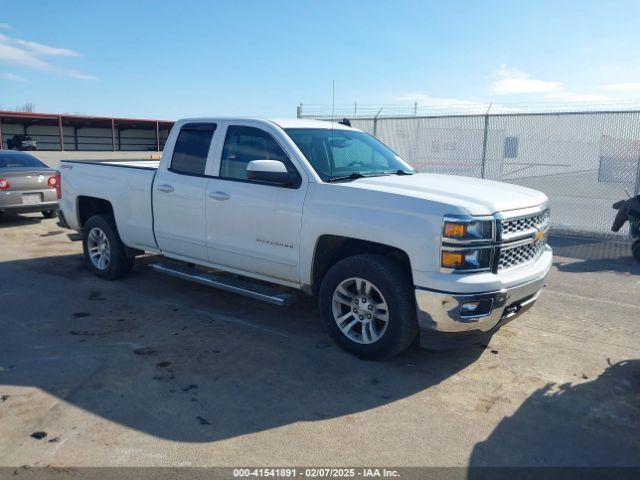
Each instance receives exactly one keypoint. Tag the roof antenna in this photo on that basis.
(333, 104)
(333, 98)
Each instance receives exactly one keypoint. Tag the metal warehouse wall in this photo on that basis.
(84, 133)
(88, 138)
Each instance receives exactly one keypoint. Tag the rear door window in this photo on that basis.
(192, 148)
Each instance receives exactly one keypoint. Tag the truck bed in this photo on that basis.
(126, 185)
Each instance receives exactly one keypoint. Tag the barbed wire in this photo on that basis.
(366, 110)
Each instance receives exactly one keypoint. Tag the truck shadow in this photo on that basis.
(184, 362)
(595, 423)
(15, 220)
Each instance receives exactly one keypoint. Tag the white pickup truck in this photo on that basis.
(261, 207)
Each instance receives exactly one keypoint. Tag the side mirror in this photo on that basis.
(271, 171)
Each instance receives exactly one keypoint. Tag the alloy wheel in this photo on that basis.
(360, 310)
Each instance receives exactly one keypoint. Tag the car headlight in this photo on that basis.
(468, 259)
(466, 230)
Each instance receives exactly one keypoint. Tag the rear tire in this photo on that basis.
(635, 248)
(368, 304)
(49, 213)
(104, 252)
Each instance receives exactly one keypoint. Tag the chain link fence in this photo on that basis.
(583, 161)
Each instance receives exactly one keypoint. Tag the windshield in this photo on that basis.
(19, 160)
(338, 153)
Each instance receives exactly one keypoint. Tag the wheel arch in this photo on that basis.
(90, 206)
(330, 249)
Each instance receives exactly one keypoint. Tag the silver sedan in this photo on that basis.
(27, 184)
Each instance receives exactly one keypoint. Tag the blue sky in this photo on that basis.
(162, 59)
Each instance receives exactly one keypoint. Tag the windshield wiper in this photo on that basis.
(356, 175)
(399, 172)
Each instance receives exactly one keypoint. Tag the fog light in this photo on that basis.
(470, 307)
(476, 309)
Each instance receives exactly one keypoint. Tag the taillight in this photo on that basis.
(4, 184)
(54, 182)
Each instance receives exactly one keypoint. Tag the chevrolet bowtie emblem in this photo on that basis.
(538, 235)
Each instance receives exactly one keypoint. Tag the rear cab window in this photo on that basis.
(192, 148)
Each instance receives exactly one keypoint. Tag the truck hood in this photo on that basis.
(477, 196)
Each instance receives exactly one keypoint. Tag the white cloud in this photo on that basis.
(81, 76)
(41, 49)
(30, 54)
(425, 100)
(19, 56)
(577, 97)
(458, 105)
(621, 87)
(12, 76)
(514, 81)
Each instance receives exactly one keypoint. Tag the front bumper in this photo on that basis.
(443, 312)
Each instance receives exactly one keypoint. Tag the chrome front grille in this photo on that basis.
(518, 227)
(520, 254)
(522, 239)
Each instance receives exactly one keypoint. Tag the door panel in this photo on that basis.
(179, 194)
(179, 206)
(253, 227)
(257, 229)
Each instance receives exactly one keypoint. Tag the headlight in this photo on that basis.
(462, 230)
(472, 259)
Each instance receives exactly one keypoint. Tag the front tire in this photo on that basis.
(104, 252)
(368, 304)
(49, 213)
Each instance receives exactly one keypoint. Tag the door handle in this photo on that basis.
(165, 188)
(219, 196)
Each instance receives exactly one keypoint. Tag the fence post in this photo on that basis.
(299, 111)
(375, 121)
(484, 142)
(637, 191)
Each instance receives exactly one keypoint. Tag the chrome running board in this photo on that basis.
(228, 283)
